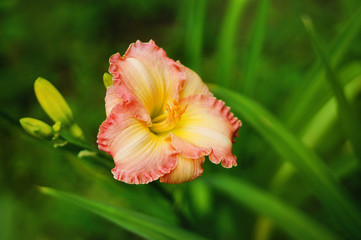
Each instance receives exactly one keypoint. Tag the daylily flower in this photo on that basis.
(162, 120)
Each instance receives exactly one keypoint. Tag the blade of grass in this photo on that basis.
(264, 225)
(316, 128)
(308, 164)
(298, 225)
(255, 48)
(140, 224)
(226, 54)
(327, 115)
(302, 104)
(350, 121)
(322, 122)
(194, 33)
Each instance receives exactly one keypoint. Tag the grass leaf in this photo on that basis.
(322, 122)
(140, 224)
(349, 118)
(301, 105)
(307, 163)
(194, 35)
(226, 46)
(316, 128)
(298, 225)
(255, 48)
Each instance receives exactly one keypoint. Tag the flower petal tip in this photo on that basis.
(208, 124)
(187, 170)
(143, 177)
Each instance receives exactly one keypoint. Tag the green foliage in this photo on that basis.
(227, 41)
(298, 174)
(349, 117)
(302, 103)
(308, 164)
(292, 221)
(140, 224)
(194, 33)
(255, 48)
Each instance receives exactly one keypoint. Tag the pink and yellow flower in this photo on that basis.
(162, 120)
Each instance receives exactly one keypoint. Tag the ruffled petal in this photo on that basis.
(140, 156)
(208, 124)
(111, 99)
(149, 75)
(121, 94)
(187, 169)
(193, 85)
(187, 149)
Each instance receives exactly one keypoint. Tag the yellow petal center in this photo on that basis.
(166, 121)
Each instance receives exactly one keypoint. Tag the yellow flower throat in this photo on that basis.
(168, 120)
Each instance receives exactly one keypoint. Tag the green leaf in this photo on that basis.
(326, 117)
(302, 104)
(307, 163)
(194, 35)
(138, 223)
(315, 129)
(349, 118)
(298, 225)
(226, 46)
(341, 169)
(255, 48)
(321, 123)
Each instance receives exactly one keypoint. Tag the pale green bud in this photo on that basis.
(107, 80)
(37, 128)
(76, 131)
(60, 143)
(86, 153)
(53, 102)
(57, 126)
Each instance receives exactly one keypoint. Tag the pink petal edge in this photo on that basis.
(115, 123)
(216, 154)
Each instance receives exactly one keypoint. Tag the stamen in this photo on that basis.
(168, 120)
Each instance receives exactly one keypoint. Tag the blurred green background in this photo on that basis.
(257, 48)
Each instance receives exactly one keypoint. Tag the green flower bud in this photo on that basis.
(57, 126)
(107, 80)
(76, 131)
(86, 153)
(53, 102)
(37, 128)
(58, 143)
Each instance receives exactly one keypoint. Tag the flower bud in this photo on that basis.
(53, 102)
(57, 126)
(86, 153)
(37, 128)
(107, 80)
(76, 131)
(58, 143)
